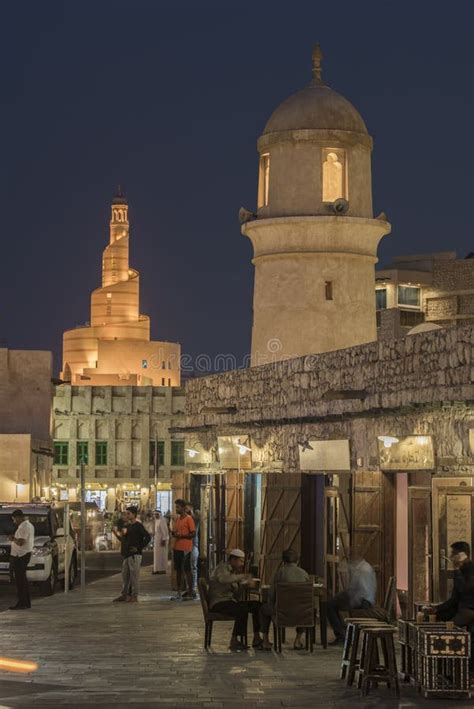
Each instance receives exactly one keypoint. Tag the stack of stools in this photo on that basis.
(370, 670)
(443, 662)
(351, 656)
(406, 671)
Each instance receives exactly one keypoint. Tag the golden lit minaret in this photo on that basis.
(115, 346)
(115, 308)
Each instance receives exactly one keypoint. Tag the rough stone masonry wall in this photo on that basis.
(428, 368)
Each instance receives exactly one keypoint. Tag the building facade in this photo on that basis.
(121, 436)
(424, 292)
(368, 448)
(115, 347)
(26, 394)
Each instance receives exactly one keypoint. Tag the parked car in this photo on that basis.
(46, 565)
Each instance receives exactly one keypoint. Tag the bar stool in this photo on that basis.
(350, 655)
(370, 670)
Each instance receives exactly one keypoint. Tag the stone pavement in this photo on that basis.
(95, 653)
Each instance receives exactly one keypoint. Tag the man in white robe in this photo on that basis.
(160, 544)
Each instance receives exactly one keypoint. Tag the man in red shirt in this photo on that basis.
(183, 534)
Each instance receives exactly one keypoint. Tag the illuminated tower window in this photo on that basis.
(263, 180)
(334, 175)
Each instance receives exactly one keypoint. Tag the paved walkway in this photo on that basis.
(95, 653)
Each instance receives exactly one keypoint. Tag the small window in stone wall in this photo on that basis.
(177, 453)
(328, 290)
(334, 175)
(82, 453)
(409, 296)
(61, 453)
(380, 298)
(101, 452)
(264, 180)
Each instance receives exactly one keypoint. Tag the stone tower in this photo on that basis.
(115, 347)
(314, 237)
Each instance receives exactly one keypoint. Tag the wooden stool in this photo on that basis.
(370, 669)
(350, 654)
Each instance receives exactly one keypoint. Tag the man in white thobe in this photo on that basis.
(160, 544)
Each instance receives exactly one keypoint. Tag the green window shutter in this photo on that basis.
(177, 453)
(82, 452)
(101, 452)
(61, 453)
(161, 453)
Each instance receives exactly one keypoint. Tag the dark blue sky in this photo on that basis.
(168, 99)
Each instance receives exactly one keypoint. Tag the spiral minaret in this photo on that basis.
(115, 346)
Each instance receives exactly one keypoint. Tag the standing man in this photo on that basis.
(135, 538)
(183, 534)
(20, 554)
(196, 515)
(160, 544)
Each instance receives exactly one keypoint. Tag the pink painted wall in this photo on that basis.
(402, 530)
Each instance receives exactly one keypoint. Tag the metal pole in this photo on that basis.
(66, 547)
(83, 525)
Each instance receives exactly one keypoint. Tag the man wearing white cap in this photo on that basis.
(224, 597)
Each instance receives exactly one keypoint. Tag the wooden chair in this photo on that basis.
(384, 612)
(350, 663)
(294, 608)
(209, 616)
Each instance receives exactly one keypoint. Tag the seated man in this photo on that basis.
(290, 572)
(225, 588)
(360, 593)
(459, 556)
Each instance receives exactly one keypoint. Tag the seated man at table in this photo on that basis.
(289, 572)
(360, 593)
(459, 556)
(225, 590)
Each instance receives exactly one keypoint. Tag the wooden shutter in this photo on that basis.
(367, 516)
(281, 519)
(234, 510)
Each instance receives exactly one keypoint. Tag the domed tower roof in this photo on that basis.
(316, 107)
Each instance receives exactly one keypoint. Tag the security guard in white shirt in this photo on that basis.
(20, 554)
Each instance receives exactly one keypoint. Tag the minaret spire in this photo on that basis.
(317, 61)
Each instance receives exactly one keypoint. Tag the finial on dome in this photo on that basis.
(119, 196)
(317, 61)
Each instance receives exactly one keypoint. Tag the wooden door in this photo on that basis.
(367, 521)
(234, 510)
(419, 546)
(281, 519)
(453, 521)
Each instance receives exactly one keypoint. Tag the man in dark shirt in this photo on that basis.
(461, 601)
(135, 538)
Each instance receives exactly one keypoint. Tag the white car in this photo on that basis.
(47, 563)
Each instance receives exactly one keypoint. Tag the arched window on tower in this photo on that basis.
(263, 180)
(334, 175)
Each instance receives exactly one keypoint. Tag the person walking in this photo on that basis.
(135, 538)
(160, 544)
(22, 543)
(183, 534)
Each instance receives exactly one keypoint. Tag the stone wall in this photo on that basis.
(422, 369)
(26, 392)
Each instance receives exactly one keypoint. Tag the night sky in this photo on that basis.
(168, 100)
